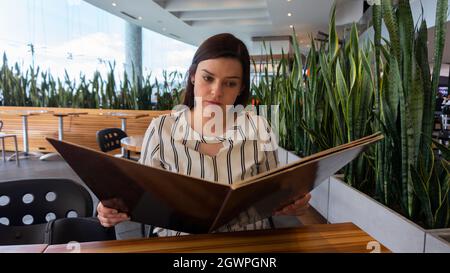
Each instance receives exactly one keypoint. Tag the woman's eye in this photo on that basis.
(231, 84)
(207, 78)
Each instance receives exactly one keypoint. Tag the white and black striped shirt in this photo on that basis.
(250, 148)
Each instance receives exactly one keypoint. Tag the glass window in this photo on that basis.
(73, 35)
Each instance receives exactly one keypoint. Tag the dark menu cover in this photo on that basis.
(170, 200)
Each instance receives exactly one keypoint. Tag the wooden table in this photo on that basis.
(25, 114)
(132, 143)
(123, 117)
(344, 237)
(60, 121)
(23, 248)
(60, 117)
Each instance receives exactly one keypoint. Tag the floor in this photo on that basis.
(58, 168)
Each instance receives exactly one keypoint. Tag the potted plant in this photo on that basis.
(398, 190)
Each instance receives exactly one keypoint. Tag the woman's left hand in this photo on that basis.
(299, 207)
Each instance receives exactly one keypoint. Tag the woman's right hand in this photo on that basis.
(109, 217)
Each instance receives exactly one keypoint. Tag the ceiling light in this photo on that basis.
(114, 4)
(289, 14)
(140, 17)
(291, 26)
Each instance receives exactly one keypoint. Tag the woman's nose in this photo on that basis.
(217, 89)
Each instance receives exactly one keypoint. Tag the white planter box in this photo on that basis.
(437, 241)
(337, 202)
(391, 229)
(394, 231)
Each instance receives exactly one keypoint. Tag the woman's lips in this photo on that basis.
(213, 102)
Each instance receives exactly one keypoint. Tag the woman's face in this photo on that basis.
(218, 81)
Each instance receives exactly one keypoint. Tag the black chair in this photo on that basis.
(61, 231)
(109, 139)
(37, 211)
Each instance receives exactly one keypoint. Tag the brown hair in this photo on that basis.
(223, 45)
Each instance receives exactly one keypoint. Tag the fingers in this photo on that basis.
(299, 207)
(105, 210)
(110, 222)
(295, 211)
(303, 201)
(109, 217)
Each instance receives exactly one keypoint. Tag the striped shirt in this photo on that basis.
(249, 148)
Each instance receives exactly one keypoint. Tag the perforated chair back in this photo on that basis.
(31, 212)
(109, 139)
(37, 201)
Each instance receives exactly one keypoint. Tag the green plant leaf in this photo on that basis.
(422, 193)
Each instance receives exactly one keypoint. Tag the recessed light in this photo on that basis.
(289, 14)
(140, 17)
(291, 26)
(114, 4)
(289, 0)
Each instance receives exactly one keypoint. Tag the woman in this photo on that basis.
(209, 138)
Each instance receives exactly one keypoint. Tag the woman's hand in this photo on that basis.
(299, 207)
(110, 217)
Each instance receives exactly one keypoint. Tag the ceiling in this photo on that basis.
(192, 21)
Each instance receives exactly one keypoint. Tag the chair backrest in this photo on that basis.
(61, 231)
(37, 201)
(37, 211)
(109, 139)
(1, 125)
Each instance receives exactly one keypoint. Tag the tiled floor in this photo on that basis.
(35, 168)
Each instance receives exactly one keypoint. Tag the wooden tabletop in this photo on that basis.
(65, 114)
(344, 237)
(23, 248)
(25, 112)
(123, 115)
(132, 143)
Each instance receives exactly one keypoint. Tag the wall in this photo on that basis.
(80, 130)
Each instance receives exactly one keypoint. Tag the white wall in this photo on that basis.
(348, 12)
(257, 48)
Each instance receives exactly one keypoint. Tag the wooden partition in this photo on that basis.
(79, 129)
